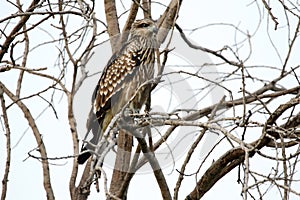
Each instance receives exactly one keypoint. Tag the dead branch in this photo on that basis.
(236, 156)
(8, 147)
(39, 141)
(19, 25)
(271, 14)
(112, 23)
(130, 19)
(150, 156)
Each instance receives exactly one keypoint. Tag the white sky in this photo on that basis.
(25, 178)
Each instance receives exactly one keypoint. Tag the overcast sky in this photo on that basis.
(25, 178)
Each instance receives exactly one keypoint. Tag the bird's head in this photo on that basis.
(144, 28)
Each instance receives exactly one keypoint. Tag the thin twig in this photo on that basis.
(10, 38)
(271, 14)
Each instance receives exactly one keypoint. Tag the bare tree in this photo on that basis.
(257, 118)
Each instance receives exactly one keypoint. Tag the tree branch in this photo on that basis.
(8, 148)
(112, 23)
(236, 156)
(167, 20)
(20, 24)
(130, 19)
(39, 141)
(150, 156)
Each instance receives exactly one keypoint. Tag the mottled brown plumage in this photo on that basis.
(121, 80)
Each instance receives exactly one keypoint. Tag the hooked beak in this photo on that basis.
(154, 29)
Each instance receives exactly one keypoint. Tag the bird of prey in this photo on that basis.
(123, 80)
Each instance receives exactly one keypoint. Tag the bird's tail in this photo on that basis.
(83, 157)
(94, 127)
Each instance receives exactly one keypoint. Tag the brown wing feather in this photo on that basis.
(113, 80)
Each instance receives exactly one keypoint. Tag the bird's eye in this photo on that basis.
(143, 25)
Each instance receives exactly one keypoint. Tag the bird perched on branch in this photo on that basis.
(124, 80)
